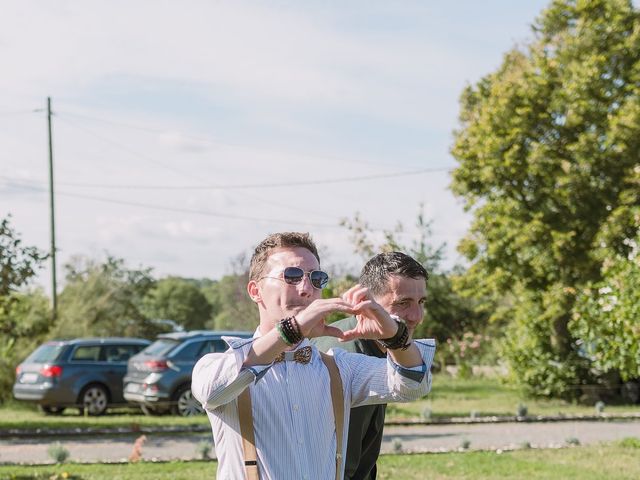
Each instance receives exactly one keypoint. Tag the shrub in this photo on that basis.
(58, 453)
(203, 449)
(426, 414)
(630, 442)
(522, 410)
(397, 445)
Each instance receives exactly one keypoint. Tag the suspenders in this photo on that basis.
(248, 440)
(246, 421)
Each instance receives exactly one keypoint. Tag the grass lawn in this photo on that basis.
(19, 415)
(606, 461)
(449, 397)
(452, 397)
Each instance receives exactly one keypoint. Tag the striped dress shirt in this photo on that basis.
(291, 404)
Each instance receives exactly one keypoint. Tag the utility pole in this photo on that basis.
(54, 290)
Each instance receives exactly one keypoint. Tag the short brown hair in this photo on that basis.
(278, 240)
(376, 272)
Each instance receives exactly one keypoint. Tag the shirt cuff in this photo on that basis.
(258, 371)
(427, 348)
(412, 373)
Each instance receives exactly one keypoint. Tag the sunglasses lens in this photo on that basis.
(319, 279)
(293, 275)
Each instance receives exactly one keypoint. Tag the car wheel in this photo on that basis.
(94, 400)
(184, 404)
(49, 410)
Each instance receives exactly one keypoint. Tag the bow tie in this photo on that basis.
(302, 355)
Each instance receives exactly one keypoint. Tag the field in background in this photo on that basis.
(616, 461)
(452, 397)
(449, 397)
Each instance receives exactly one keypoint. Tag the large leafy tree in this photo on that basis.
(607, 316)
(233, 309)
(24, 316)
(104, 298)
(180, 300)
(18, 262)
(547, 147)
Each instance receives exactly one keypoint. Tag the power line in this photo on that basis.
(180, 210)
(220, 215)
(289, 183)
(115, 124)
(8, 113)
(125, 148)
(197, 212)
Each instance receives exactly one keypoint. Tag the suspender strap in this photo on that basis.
(337, 399)
(246, 431)
(246, 421)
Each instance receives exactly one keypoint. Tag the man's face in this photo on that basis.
(278, 299)
(405, 298)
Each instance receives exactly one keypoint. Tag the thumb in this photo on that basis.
(330, 331)
(350, 335)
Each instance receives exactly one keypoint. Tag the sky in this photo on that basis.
(185, 132)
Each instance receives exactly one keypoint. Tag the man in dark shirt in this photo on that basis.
(399, 284)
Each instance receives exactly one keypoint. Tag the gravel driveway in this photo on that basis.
(413, 438)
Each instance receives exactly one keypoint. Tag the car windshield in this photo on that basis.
(160, 347)
(45, 353)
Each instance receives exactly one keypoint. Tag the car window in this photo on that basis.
(190, 351)
(86, 353)
(119, 353)
(45, 354)
(214, 346)
(161, 347)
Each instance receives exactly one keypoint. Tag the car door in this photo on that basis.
(113, 360)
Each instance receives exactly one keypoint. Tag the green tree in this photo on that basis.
(231, 305)
(234, 309)
(606, 318)
(447, 314)
(104, 299)
(24, 316)
(547, 146)
(180, 300)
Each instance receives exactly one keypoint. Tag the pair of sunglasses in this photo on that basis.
(294, 275)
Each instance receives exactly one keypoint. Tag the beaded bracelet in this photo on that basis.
(282, 334)
(289, 331)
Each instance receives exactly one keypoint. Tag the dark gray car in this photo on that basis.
(85, 373)
(159, 377)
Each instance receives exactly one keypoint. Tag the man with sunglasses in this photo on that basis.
(398, 283)
(276, 406)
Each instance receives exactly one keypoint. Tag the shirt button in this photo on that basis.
(306, 477)
(300, 441)
(296, 408)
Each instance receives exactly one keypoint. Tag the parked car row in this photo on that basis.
(93, 374)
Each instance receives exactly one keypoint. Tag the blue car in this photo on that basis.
(85, 373)
(159, 378)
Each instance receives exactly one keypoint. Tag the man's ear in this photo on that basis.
(254, 291)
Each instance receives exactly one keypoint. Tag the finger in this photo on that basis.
(351, 334)
(348, 295)
(360, 294)
(363, 305)
(330, 331)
